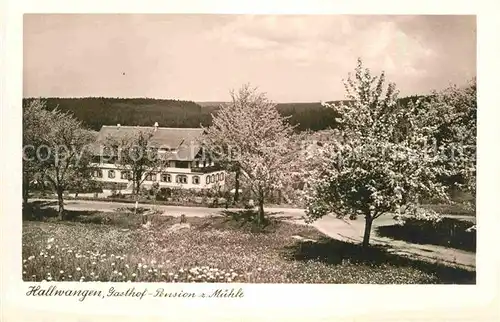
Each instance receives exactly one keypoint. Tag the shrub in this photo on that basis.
(427, 227)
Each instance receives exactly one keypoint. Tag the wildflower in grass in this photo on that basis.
(134, 274)
(24, 272)
(61, 272)
(70, 251)
(176, 276)
(120, 274)
(150, 270)
(52, 257)
(115, 272)
(259, 269)
(92, 273)
(78, 269)
(24, 261)
(50, 240)
(31, 257)
(126, 265)
(145, 266)
(112, 264)
(49, 278)
(170, 274)
(93, 263)
(70, 276)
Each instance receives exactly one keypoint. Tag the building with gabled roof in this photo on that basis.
(186, 163)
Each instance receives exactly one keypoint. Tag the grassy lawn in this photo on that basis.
(93, 246)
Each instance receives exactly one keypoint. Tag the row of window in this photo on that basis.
(164, 177)
(172, 163)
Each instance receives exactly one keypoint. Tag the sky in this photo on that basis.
(300, 58)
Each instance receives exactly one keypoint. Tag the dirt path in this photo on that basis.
(353, 231)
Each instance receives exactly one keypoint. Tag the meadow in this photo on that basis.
(95, 246)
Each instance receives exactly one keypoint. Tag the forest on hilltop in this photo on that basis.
(95, 112)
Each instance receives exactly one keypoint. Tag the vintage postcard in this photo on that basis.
(301, 164)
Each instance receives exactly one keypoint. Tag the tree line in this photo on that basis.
(94, 112)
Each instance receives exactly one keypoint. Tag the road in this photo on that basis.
(347, 230)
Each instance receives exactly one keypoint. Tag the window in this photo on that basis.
(165, 177)
(98, 173)
(182, 164)
(222, 176)
(207, 180)
(111, 174)
(218, 176)
(151, 177)
(212, 178)
(196, 180)
(125, 175)
(181, 178)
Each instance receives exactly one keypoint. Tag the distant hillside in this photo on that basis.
(98, 111)
(210, 104)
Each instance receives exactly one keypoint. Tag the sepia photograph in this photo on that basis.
(248, 148)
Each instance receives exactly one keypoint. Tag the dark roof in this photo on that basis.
(187, 141)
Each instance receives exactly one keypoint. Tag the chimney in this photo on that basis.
(118, 126)
(156, 126)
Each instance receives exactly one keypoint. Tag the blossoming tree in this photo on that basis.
(382, 161)
(249, 131)
(132, 153)
(454, 111)
(62, 148)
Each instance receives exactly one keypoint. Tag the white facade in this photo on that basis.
(167, 178)
(186, 167)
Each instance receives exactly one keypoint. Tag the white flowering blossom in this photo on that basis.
(251, 132)
(382, 161)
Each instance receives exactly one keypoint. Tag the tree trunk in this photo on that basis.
(60, 201)
(137, 187)
(26, 190)
(260, 215)
(236, 186)
(368, 230)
